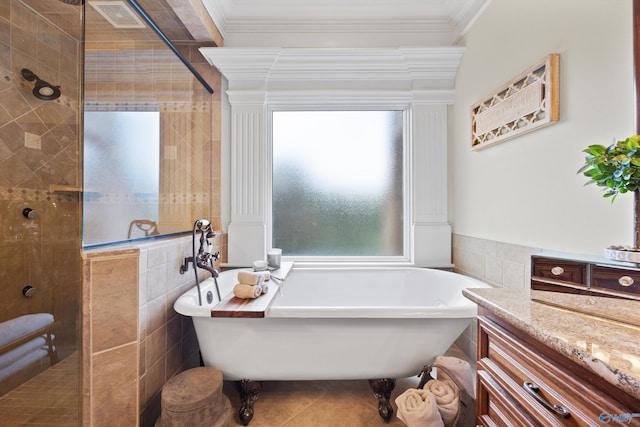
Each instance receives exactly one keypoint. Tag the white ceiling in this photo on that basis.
(343, 22)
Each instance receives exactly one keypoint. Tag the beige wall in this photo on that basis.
(525, 191)
(133, 340)
(110, 338)
(502, 265)
(148, 272)
(39, 150)
(146, 75)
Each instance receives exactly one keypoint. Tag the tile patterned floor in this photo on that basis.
(326, 403)
(281, 403)
(323, 404)
(50, 399)
(317, 404)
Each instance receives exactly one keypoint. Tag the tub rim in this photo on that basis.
(187, 305)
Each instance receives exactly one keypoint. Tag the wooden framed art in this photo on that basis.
(528, 102)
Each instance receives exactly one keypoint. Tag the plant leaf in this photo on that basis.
(596, 150)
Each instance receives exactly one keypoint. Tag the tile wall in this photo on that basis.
(138, 286)
(502, 265)
(144, 75)
(40, 167)
(110, 345)
(130, 292)
(136, 71)
(168, 343)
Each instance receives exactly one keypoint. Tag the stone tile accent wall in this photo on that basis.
(39, 154)
(152, 342)
(144, 75)
(38, 139)
(110, 338)
(168, 343)
(502, 265)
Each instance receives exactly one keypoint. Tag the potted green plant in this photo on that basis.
(617, 169)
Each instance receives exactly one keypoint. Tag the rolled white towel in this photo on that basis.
(266, 275)
(447, 397)
(457, 370)
(247, 291)
(418, 408)
(250, 278)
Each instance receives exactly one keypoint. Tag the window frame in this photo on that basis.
(406, 258)
(254, 78)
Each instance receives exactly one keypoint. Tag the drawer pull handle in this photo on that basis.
(625, 281)
(533, 389)
(557, 271)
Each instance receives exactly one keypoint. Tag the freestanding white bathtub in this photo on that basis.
(338, 323)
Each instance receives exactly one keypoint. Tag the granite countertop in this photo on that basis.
(601, 334)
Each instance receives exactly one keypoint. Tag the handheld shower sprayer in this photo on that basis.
(206, 248)
(202, 224)
(202, 257)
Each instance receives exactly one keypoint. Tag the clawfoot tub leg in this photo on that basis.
(382, 389)
(249, 391)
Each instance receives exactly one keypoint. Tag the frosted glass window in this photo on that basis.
(337, 183)
(121, 175)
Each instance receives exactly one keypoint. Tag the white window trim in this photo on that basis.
(418, 80)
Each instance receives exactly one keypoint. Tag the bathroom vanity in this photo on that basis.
(545, 358)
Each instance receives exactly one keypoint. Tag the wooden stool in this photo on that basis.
(194, 398)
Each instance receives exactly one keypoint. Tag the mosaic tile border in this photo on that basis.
(17, 194)
(163, 198)
(164, 107)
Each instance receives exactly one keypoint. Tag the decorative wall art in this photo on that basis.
(528, 102)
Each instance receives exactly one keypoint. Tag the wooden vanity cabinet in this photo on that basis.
(510, 362)
(585, 277)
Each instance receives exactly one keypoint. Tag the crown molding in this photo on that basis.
(218, 16)
(465, 17)
(278, 20)
(411, 67)
(323, 26)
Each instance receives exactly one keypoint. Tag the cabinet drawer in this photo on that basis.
(616, 279)
(497, 408)
(560, 270)
(566, 288)
(511, 362)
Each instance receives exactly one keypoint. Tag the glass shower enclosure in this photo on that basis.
(40, 226)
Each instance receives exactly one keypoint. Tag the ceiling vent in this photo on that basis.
(118, 14)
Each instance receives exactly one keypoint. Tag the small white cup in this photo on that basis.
(259, 265)
(274, 256)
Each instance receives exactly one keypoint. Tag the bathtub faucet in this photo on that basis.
(203, 257)
(205, 262)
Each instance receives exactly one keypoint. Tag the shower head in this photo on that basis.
(42, 90)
